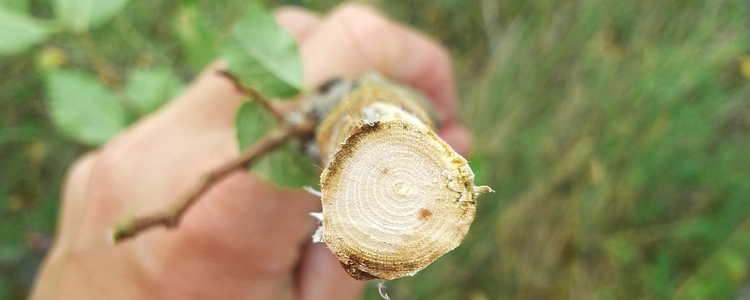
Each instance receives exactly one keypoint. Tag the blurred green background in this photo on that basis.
(616, 134)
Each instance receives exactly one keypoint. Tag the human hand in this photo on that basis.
(246, 239)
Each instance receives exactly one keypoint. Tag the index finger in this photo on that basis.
(355, 39)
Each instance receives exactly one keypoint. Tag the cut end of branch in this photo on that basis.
(121, 231)
(110, 237)
(406, 196)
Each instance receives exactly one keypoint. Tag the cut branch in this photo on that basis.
(375, 138)
(171, 217)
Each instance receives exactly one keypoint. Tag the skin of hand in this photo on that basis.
(246, 239)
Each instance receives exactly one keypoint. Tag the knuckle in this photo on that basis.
(442, 56)
(119, 154)
(442, 69)
(363, 22)
(355, 10)
(75, 188)
(80, 168)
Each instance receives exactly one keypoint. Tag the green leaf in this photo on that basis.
(289, 167)
(83, 108)
(479, 166)
(286, 166)
(195, 37)
(17, 6)
(149, 89)
(264, 55)
(18, 32)
(251, 122)
(79, 15)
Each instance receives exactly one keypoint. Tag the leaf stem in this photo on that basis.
(262, 100)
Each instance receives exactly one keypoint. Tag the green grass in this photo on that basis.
(617, 137)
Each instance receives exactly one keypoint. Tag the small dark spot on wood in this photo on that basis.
(384, 171)
(325, 87)
(424, 214)
(357, 273)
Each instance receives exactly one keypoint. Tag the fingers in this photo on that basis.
(355, 39)
(211, 99)
(244, 234)
(74, 197)
(243, 225)
(242, 213)
(298, 21)
(457, 136)
(320, 276)
(166, 153)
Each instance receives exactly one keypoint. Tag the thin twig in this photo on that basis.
(135, 39)
(267, 104)
(105, 71)
(171, 217)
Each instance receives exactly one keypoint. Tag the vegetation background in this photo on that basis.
(616, 134)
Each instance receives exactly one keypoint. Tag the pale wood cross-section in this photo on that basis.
(395, 196)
